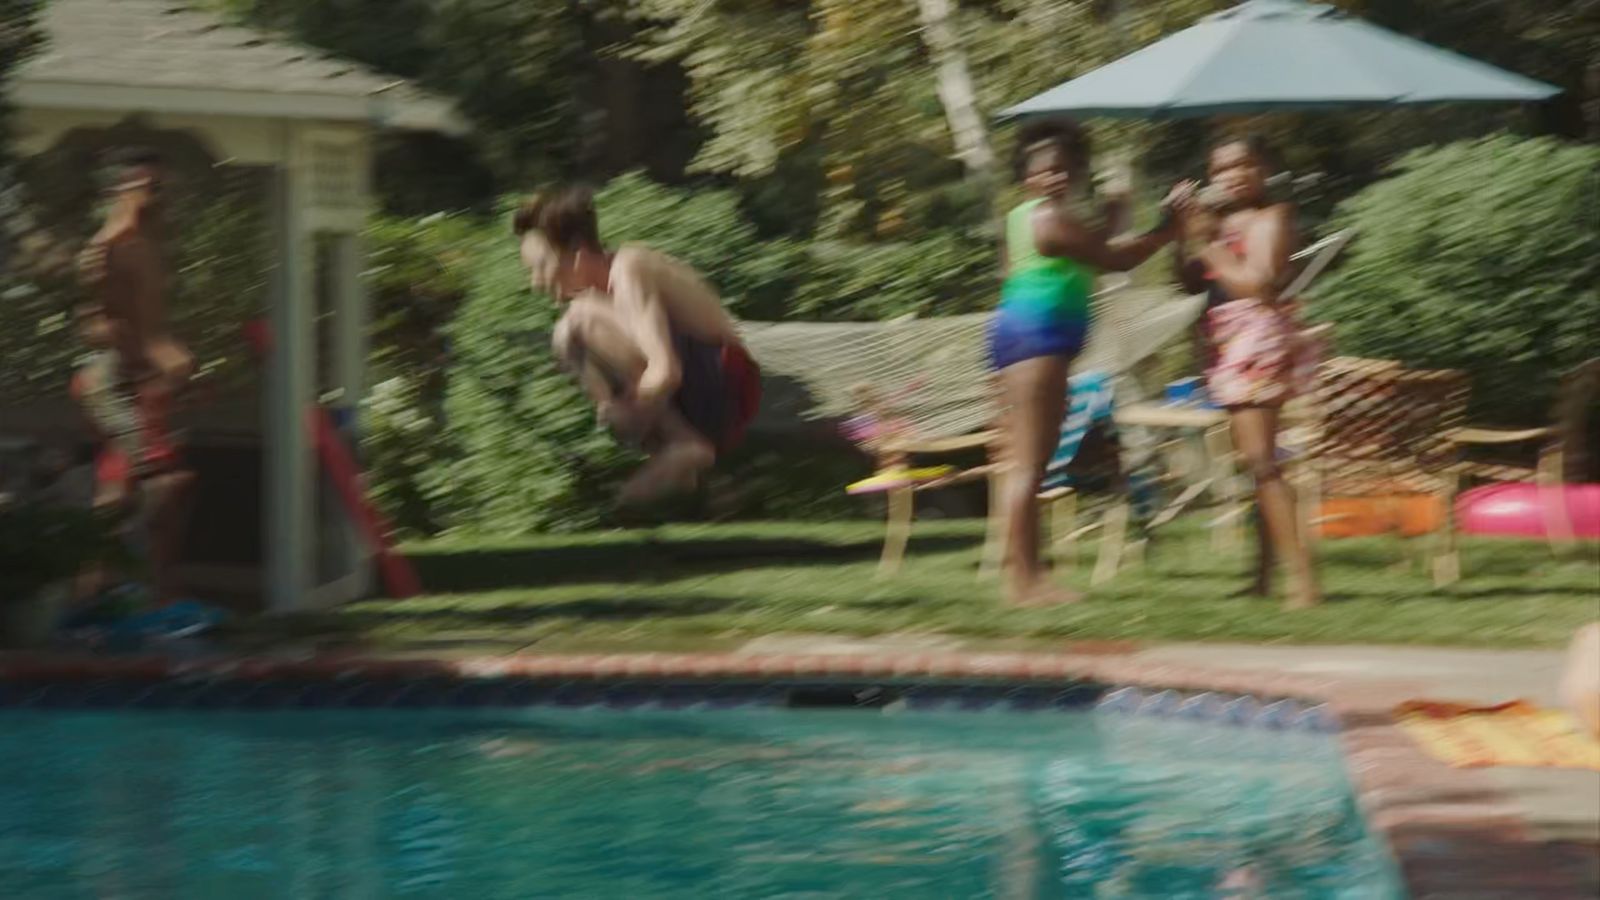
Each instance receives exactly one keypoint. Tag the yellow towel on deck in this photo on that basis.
(1510, 734)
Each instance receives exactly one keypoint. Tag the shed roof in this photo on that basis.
(129, 54)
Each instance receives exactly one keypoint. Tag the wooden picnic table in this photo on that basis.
(1168, 415)
(1215, 451)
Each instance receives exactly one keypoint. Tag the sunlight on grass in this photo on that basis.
(686, 584)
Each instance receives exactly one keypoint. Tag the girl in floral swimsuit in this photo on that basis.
(1257, 355)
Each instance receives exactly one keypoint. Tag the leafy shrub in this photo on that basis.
(400, 442)
(774, 479)
(44, 544)
(418, 275)
(524, 453)
(418, 272)
(942, 274)
(1483, 256)
(20, 37)
(707, 230)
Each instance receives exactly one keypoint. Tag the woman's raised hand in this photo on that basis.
(1180, 198)
(1176, 208)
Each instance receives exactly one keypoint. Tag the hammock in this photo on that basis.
(938, 368)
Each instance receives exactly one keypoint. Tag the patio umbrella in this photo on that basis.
(1267, 55)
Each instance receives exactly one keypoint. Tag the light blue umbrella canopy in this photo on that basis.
(1267, 55)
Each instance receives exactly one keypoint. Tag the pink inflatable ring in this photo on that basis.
(1527, 510)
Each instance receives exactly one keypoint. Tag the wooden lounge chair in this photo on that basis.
(1385, 433)
(1095, 457)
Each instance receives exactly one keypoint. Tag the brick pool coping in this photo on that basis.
(1453, 832)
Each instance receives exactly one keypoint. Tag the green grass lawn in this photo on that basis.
(692, 586)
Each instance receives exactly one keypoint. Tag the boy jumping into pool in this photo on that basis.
(648, 339)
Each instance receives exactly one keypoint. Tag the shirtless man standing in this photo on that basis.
(136, 366)
(648, 339)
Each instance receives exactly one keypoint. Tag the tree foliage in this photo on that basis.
(799, 152)
(1480, 255)
(547, 93)
(510, 66)
(20, 38)
(417, 277)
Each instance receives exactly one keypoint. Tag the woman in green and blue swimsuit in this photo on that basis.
(1051, 256)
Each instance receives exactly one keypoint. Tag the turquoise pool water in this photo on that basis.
(752, 803)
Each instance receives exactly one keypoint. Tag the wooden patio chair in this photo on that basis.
(1381, 431)
(949, 364)
(1088, 465)
(901, 499)
(1096, 461)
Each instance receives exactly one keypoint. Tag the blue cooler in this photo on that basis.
(1185, 392)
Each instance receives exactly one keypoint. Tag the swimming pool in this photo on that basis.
(603, 802)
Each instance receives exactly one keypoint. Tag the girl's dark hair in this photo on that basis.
(1065, 136)
(1259, 147)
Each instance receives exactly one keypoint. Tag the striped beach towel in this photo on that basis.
(1089, 405)
(1509, 734)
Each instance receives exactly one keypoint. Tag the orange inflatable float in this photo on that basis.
(1412, 515)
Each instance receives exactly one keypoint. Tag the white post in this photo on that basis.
(350, 375)
(350, 336)
(290, 504)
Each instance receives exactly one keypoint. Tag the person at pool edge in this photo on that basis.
(136, 366)
(648, 339)
(1053, 247)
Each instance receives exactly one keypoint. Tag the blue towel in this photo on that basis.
(1090, 403)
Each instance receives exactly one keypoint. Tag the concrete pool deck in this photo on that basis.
(1458, 833)
(1559, 804)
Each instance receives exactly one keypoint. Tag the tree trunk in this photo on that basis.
(956, 90)
(1591, 104)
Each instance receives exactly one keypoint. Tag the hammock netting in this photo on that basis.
(935, 372)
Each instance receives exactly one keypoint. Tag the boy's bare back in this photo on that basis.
(691, 304)
(127, 274)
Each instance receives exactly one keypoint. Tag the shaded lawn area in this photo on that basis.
(717, 585)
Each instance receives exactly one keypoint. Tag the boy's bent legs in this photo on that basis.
(590, 341)
(1036, 398)
(678, 456)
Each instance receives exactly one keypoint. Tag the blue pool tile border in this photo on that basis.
(1210, 706)
(443, 692)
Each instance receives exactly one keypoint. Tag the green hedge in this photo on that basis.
(418, 275)
(1483, 256)
(524, 453)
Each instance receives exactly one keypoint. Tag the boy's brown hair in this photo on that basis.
(565, 217)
